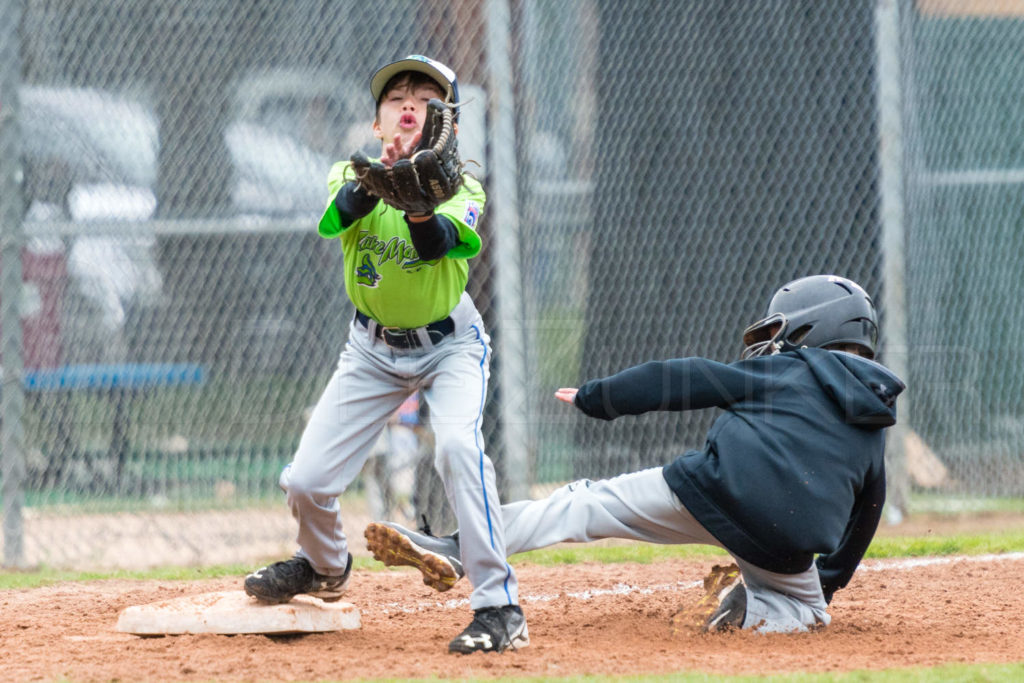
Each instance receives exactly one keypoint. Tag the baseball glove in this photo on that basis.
(430, 177)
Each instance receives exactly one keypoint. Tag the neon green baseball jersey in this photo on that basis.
(384, 276)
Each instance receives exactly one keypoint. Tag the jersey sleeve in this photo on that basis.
(330, 224)
(464, 211)
(679, 384)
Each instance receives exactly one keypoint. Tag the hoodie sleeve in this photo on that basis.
(679, 384)
(836, 569)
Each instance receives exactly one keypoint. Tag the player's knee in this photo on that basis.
(453, 451)
(300, 484)
(449, 441)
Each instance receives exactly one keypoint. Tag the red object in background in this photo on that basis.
(44, 276)
(409, 411)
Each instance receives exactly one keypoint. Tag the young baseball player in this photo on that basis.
(415, 328)
(790, 480)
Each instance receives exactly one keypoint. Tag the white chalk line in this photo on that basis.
(915, 562)
(629, 589)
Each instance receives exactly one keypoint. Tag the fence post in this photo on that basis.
(11, 239)
(891, 190)
(504, 202)
(12, 398)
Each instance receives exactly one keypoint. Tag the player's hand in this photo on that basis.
(566, 394)
(395, 150)
(418, 173)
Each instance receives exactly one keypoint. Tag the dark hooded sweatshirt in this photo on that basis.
(794, 468)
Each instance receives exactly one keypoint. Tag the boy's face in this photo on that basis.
(402, 110)
(855, 349)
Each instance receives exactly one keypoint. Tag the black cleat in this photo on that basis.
(437, 557)
(730, 613)
(281, 581)
(693, 618)
(493, 629)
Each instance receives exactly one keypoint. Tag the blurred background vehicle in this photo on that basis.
(88, 156)
(91, 160)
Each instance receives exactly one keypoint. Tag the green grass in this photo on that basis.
(957, 673)
(611, 553)
(644, 553)
(976, 544)
(881, 547)
(946, 504)
(45, 576)
(11, 579)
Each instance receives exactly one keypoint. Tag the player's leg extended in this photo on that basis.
(637, 506)
(346, 421)
(783, 602)
(455, 391)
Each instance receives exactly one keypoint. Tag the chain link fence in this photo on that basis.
(655, 171)
(965, 170)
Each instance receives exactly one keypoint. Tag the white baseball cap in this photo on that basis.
(444, 76)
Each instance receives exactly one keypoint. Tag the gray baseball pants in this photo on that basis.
(370, 383)
(640, 506)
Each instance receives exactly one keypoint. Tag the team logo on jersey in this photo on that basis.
(472, 214)
(394, 249)
(366, 273)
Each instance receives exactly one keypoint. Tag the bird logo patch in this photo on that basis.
(366, 273)
(472, 214)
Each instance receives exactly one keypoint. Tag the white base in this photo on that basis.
(231, 612)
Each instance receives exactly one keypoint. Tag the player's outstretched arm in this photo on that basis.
(677, 384)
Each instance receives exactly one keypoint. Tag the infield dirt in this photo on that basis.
(583, 619)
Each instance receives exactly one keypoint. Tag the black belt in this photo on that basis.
(400, 338)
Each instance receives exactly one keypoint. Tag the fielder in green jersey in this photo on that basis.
(415, 329)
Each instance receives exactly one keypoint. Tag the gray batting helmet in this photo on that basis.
(815, 311)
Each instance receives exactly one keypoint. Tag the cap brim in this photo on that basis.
(386, 73)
